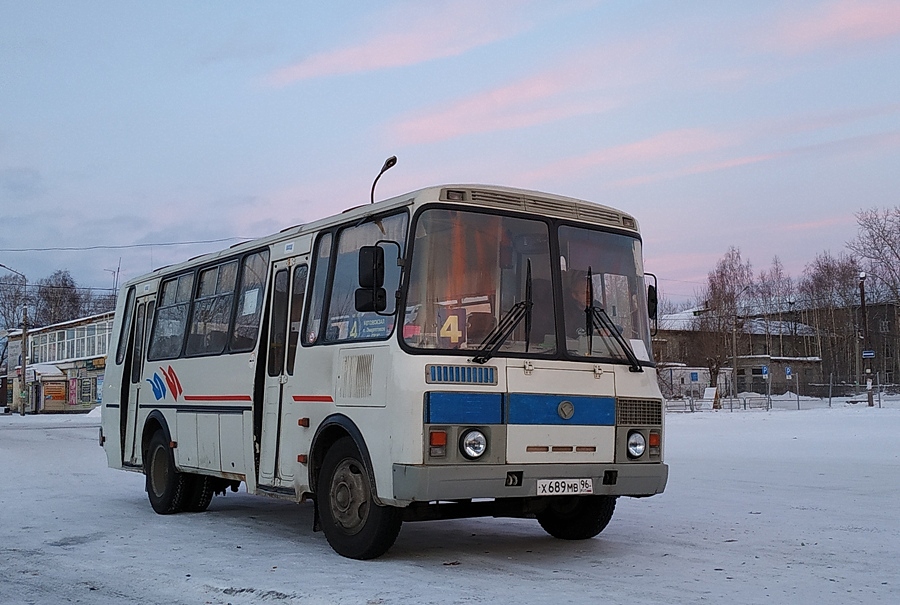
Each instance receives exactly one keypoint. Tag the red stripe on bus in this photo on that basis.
(314, 398)
(218, 398)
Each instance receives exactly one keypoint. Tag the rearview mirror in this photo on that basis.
(371, 267)
(371, 296)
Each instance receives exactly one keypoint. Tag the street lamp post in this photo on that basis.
(734, 344)
(24, 393)
(865, 327)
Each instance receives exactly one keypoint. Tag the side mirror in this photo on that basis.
(371, 296)
(371, 267)
(652, 301)
(371, 299)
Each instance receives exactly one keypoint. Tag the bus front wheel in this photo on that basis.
(165, 484)
(577, 517)
(354, 524)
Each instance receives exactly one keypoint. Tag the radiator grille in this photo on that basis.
(639, 412)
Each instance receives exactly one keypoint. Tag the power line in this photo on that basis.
(39, 286)
(125, 246)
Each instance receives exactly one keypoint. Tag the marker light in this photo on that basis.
(437, 442)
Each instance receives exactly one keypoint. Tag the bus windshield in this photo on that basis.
(472, 270)
(602, 275)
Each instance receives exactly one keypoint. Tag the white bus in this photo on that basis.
(457, 351)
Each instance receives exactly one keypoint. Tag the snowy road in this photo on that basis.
(761, 507)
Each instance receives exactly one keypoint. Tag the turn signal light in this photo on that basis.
(437, 442)
(655, 439)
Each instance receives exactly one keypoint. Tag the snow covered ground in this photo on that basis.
(780, 506)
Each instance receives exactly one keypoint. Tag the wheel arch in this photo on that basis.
(156, 421)
(334, 427)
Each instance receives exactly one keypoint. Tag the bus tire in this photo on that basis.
(577, 517)
(198, 493)
(165, 484)
(355, 526)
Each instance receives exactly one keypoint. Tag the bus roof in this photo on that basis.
(494, 196)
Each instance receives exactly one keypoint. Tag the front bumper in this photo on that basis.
(419, 483)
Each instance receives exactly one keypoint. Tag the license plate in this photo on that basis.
(564, 487)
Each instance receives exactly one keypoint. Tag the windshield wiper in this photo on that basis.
(601, 322)
(519, 311)
(598, 319)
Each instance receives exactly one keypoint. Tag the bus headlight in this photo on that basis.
(472, 444)
(636, 444)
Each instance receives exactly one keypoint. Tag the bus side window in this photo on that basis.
(137, 356)
(122, 346)
(171, 318)
(211, 311)
(298, 293)
(344, 322)
(317, 299)
(250, 299)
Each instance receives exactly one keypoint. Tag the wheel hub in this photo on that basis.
(349, 496)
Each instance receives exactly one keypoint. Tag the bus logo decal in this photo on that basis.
(172, 381)
(566, 409)
(159, 387)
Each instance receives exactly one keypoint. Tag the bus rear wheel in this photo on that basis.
(577, 517)
(198, 493)
(354, 524)
(165, 484)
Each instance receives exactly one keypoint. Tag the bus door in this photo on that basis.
(285, 312)
(142, 320)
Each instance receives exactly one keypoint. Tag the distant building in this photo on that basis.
(773, 355)
(65, 366)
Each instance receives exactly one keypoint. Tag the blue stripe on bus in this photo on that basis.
(524, 408)
(464, 408)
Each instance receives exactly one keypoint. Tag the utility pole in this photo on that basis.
(24, 355)
(23, 395)
(865, 327)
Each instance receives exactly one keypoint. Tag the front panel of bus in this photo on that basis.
(529, 349)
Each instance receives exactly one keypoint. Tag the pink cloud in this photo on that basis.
(838, 24)
(451, 31)
(700, 168)
(671, 145)
(591, 81)
(535, 100)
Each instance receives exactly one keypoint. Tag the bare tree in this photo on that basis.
(877, 247)
(830, 285)
(57, 299)
(94, 304)
(12, 298)
(726, 285)
(773, 299)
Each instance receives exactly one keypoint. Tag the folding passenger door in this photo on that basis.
(285, 311)
(142, 320)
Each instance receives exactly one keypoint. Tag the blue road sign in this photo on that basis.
(868, 354)
(695, 376)
(787, 371)
(765, 370)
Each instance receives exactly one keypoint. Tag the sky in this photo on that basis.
(760, 507)
(128, 129)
